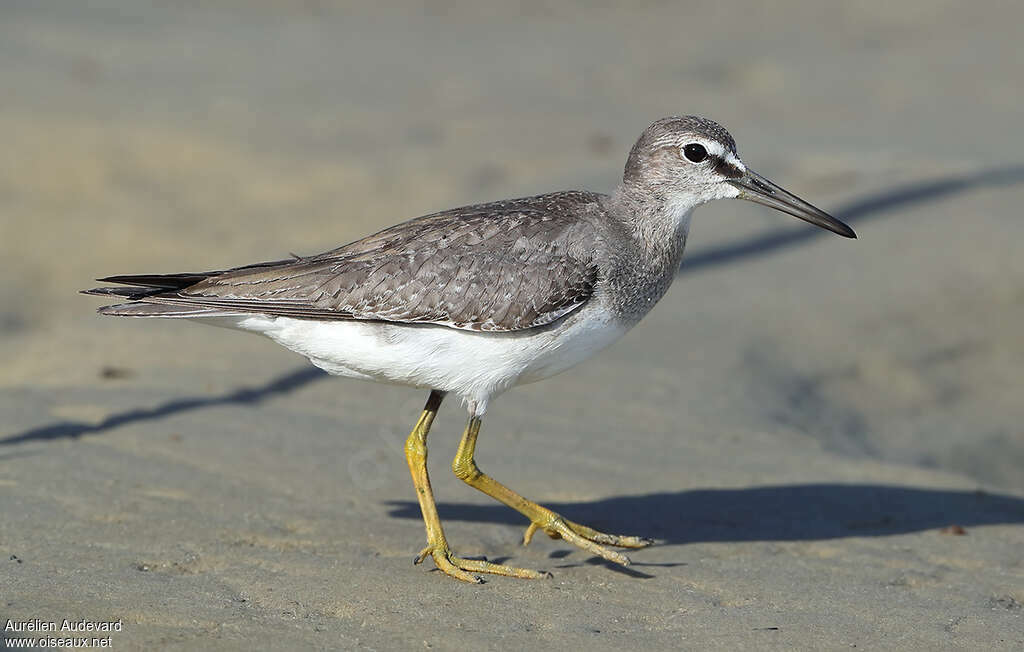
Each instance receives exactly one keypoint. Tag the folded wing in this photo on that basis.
(493, 267)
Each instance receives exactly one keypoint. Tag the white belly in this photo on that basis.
(475, 366)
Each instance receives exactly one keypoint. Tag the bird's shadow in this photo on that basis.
(802, 512)
(243, 396)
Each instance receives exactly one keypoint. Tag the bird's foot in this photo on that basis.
(559, 527)
(463, 569)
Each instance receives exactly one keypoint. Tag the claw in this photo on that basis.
(423, 555)
(530, 531)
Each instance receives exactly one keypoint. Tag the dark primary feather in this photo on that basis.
(502, 266)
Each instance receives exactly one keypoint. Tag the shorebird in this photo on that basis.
(473, 301)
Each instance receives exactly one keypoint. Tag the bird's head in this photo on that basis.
(688, 161)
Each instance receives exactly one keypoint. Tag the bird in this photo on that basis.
(475, 300)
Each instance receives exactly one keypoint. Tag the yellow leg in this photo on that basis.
(437, 546)
(541, 518)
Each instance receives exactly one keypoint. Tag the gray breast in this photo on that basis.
(638, 274)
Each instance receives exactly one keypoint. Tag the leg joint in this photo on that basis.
(416, 446)
(466, 470)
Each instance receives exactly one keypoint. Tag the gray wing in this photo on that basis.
(492, 267)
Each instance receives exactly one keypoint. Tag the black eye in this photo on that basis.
(695, 152)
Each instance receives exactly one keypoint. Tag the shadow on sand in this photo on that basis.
(771, 513)
(244, 396)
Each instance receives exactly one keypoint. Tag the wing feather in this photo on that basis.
(493, 267)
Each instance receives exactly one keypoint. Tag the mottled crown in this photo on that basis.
(671, 131)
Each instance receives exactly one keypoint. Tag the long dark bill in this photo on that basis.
(753, 187)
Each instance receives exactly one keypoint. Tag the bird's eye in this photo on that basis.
(695, 152)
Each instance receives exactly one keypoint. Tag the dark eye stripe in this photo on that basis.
(726, 169)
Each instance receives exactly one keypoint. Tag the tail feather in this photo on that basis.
(161, 281)
(146, 288)
(138, 287)
(133, 293)
(159, 310)
(183, 280)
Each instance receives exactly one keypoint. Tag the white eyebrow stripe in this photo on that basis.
(715, 149)
(734, 161)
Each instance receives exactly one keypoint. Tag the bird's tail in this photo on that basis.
(159, 310)
(136, 288)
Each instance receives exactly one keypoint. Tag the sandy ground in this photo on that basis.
(803, 422)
